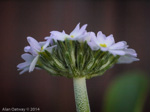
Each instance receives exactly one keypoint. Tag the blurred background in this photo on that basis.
(128, 21)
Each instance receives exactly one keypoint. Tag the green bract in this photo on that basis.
(73, 59)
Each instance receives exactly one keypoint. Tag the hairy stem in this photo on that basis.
(81, 96)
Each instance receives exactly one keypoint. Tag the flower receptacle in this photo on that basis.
(74, 59)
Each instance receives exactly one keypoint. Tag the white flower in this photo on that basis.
(129, 57)
(34, 48)
(107, 44)
(25, 65)
(86, 37)
(76, 34)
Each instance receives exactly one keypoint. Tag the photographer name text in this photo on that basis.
(15, 109)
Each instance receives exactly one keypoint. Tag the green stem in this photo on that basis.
(81, 97)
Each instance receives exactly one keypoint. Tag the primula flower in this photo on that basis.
(35, 48)
(129, 57)
(79, 55)
(107, 44)
(25, 65)
(77, 34)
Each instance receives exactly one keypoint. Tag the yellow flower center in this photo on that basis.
(72, 36)
(103, 45)
(42, 48)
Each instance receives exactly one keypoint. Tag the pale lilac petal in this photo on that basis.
(32, 66)
(87, 37)
(74, 38)
(92, 34)
(125, 44)
(46, 44)
(127, 59)
(30, 50)
(82, 37)
(104, 48)
(79, 39)
(23, 65)
(118, 45)
(27, 57)
(47, 37)
(83, 27)
(76, 30)
(101, 37)
(56, 35)
(117, 52)
(56, 38)
(63, 32)
(34, 44)
(49, 49)
(94, 39)
(131, 52)
(23, 71)
(110, 40)
(42, 43)
(51, 39)
(93, 46)
(27, 49)
(82, 30)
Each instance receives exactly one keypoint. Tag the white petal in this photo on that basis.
(75, 30)
(63, 32)
(83, 29)
(27, 49)
(92, 34)
(49, 49)
(104, 48)
(27, 57)
(82, 38)
(30, 50)
(117, 52)
(110, 40)
(79, 39)
(131, 52)
(32, 66)
(127, 59)
(46, 44)
(23, 65)
(24, 70)
(56, 35)
(34, 44)
(101, 37)
(42, 43)
(94, 39)
(93, 46)
(119, 45)
(87, 37)
(47, 37)
(51, 38)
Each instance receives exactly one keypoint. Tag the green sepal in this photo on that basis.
(74, 59)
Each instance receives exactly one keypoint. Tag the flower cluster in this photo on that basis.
(77, 54)
(32, 55)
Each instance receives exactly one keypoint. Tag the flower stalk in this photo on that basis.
(81, 96)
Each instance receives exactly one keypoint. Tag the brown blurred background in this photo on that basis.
(129, 21)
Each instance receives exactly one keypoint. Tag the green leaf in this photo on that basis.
(127, 93)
